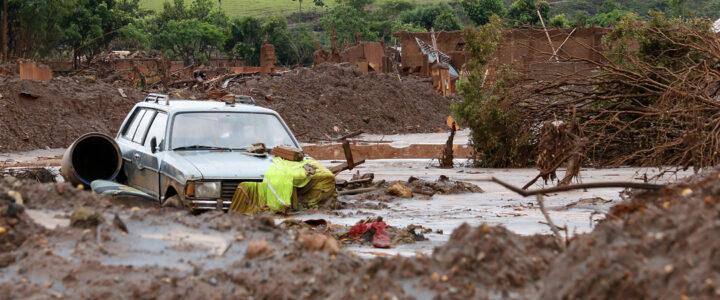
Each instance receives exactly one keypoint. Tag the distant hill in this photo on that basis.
(235, 8)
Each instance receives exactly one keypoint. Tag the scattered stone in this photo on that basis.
(400, 190)
(120, 224)
(14, 210)
(16, 196)
(84, 217)
(319, 242)
(257, 248)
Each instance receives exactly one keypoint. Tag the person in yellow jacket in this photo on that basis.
(287, 185)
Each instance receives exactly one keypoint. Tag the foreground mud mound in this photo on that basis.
(661, 245)
(314, 101)
(39, 114)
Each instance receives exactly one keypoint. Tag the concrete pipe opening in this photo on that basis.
(91, 157)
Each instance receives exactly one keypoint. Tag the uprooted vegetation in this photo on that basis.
(653, 102)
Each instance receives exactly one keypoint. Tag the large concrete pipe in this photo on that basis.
(92, 156)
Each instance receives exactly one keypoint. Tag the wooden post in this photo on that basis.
(548, 36)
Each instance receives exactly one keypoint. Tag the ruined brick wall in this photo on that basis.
(267, 59)
(412, 57)
(520, 47)
(28, 69)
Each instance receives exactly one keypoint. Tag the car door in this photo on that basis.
(128, 148)
(143, 162)
(149, 159)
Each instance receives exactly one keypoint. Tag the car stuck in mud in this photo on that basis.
(197, 151)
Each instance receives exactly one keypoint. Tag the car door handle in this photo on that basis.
(136, 157)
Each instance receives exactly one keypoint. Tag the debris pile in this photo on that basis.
(40, 114)
(666, 247)
(333, 99)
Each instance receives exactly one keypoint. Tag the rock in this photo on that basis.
(120, 224)
(17, 197)
(257, 248)
(400, 190)
(319, 242)
(84, 217)
(14, 210)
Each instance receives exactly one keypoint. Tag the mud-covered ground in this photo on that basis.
(328, 101)
(655, 245)
(331, 100)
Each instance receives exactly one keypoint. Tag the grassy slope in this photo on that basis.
(255, 7)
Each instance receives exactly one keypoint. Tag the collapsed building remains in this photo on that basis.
(526, 50)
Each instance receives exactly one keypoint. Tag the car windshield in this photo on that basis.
(209, 130)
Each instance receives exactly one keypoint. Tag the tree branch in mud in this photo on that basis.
(558, 237)
(581, 186)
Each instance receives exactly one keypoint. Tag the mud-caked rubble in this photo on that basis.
(331, 100)
(660, 244)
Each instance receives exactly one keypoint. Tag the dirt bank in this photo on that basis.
(38, 114)
(327, 101)
(314, 101)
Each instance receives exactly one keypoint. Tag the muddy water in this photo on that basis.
(168, 244)
(575, 210)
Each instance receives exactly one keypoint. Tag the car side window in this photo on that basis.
(157, 129)
(143, 127)
(130, 129)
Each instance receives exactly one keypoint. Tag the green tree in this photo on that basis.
(446, 21)
(581, 18)
(191, 39)
(524, 12)
(609, 19)
(245, 38)
(425, 16)
(559, 21)
(35, 27)
(608, 6)
(90, 25)
(479, 11)
(500, 139)
(347, 21)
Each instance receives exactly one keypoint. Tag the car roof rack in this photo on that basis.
(231, 99)
(157, 98)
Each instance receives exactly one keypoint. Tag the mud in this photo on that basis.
(334, 99)
(41, 114)
(666, 248)
(328, 101)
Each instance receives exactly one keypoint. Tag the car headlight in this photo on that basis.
(207, 189)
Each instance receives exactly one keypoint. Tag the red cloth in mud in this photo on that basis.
(380, 239)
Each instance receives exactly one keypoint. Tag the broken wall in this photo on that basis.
(28, 69)
(521, 48)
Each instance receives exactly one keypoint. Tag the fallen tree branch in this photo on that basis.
(553, 227)
(592, 185)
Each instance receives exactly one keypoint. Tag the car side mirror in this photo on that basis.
(153, 145)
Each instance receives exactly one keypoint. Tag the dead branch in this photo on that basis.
(582, 186)
(558, 237)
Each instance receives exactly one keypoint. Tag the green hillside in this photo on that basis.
(256, 7)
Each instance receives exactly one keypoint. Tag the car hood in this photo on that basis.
(226, 165)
